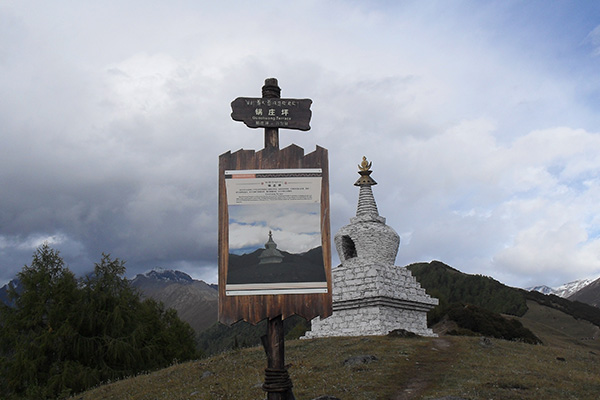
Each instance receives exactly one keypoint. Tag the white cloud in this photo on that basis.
(594, 38)
(482, 130)
(32, 242)
(295, 228)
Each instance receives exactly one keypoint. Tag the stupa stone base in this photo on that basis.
(374, 299)
(370, 321)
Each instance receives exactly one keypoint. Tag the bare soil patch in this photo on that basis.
(429, 366)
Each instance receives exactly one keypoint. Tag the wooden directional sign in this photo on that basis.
(280, 197)
(272, 112)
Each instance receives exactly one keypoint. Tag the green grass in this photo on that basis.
(429, 368)
(558, 329)
(566, 366)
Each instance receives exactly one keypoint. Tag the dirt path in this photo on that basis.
(425, 372)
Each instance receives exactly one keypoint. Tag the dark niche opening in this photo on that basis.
(348, 247)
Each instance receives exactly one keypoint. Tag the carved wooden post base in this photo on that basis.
(278, 384)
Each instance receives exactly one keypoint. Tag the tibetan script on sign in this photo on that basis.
(272, 113)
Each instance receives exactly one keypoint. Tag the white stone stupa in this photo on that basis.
(372, 296)
(270, 255)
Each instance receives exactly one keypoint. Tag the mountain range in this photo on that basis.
(583, 290)
(196, 302)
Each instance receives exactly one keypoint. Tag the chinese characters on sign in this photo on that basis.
(273, 186)
(272, 113)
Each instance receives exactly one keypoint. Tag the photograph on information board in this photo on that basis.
(274, 232)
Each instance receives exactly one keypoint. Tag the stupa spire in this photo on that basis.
(367, 207)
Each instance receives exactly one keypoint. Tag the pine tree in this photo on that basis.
(38, 330)
(63, 336)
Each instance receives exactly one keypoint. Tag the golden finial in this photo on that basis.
(365, 165)
(364, 170)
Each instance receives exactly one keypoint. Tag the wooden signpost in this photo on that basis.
(272, 113)
(276, 191)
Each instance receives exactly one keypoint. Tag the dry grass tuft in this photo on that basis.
(421, 368)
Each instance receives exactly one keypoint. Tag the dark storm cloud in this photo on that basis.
(113, 115)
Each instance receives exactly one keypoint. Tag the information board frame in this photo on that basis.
(286, 203)
(256, 306)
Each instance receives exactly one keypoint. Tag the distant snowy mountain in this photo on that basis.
(4, 294)
(167, 275)
(569, 289)
(4, 291)
(542, 289)
(589, 294)
(565, 291)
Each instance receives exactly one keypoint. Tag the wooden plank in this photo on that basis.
(272, 112)
(258, 307)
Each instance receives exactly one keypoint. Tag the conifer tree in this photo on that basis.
(38, 330)
(63, 336)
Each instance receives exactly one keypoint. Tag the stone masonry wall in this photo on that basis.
(354, 280)
(374, 299)
(365, 321)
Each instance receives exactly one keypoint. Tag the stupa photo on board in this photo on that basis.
(275, 242)
(372, 296)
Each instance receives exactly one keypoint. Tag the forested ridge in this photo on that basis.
(450, 285)
(453, 287)
(62, 335)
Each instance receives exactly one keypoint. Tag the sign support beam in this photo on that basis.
(277, 383)
(271, 90)
(272, 112)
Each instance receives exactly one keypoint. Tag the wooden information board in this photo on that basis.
(305, 294)
(274, 233)
(279, 198)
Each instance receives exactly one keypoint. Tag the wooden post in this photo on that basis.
(272, 138)
(277, 384)
(271, 112)
(274, 344)
(271, 90)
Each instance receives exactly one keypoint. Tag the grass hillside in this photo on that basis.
(558, 329)
(450, 286)
(420, 368)
(565, 366)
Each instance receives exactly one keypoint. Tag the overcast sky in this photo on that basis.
(295, 227)
(481, 119)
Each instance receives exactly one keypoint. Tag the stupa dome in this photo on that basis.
(367, 237)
